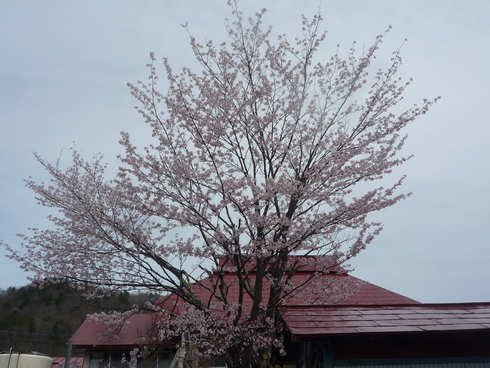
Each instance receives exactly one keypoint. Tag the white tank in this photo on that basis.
(25, 360)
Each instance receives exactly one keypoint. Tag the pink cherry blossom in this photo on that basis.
(265, 156)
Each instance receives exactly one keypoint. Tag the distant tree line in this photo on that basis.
(35, 318)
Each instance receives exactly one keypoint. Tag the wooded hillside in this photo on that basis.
(44, 318)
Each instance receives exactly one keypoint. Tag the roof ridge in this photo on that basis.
(408, 305)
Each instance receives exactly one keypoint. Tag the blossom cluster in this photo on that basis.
(217, 330)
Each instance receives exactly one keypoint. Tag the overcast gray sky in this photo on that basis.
(63, 72)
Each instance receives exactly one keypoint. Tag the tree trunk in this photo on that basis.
(242, 357)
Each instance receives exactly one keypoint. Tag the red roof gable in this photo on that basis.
(92, 333)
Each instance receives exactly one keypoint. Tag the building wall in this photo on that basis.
(113, 358)
(400, 351)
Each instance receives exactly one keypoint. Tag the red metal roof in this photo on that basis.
(365, 293)
(92, 333)
(321, 320)
(361, 292)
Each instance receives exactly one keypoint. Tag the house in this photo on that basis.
(102, 352)
(370, 327)
(392, 335)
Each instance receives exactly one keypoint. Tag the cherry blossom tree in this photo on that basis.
(263, 157)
